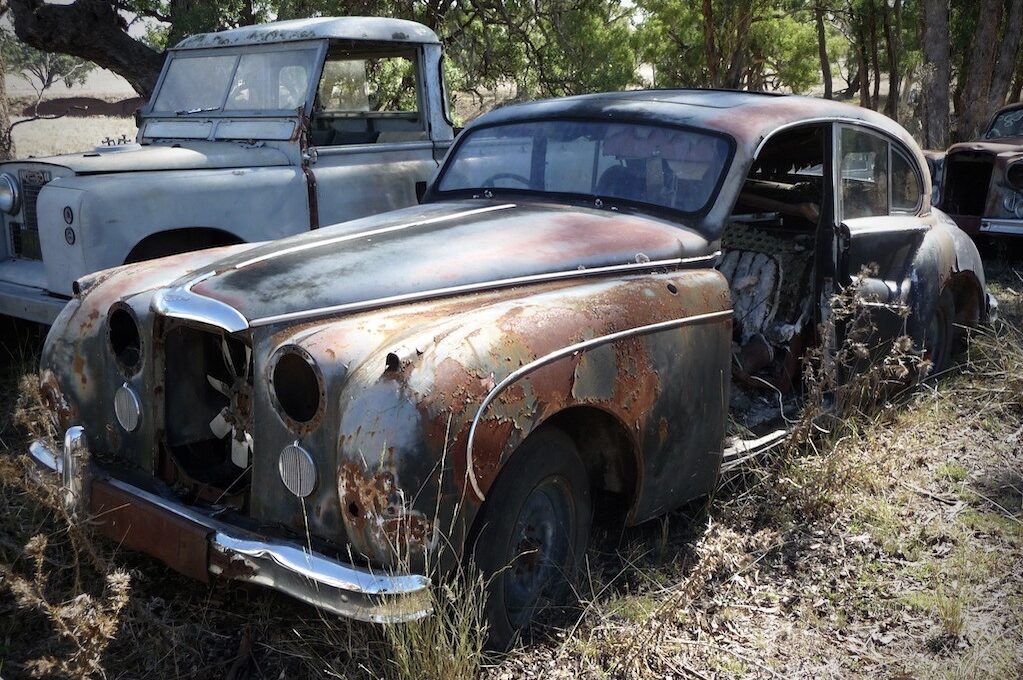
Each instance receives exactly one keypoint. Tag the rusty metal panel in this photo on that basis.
(139, 525)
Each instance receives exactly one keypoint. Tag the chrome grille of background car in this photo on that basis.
(25, 234)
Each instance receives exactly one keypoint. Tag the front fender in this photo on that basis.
(111, 213)
(427, 419)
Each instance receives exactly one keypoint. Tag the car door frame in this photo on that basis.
(888, 243)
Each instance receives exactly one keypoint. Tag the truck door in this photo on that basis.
(369, 133)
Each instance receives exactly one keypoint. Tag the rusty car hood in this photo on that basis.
(192, 155)
(433, 250)
(1011, 146)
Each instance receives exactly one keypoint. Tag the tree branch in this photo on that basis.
(89, 29)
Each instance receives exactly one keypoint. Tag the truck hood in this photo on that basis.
(429, 251)
(178, 156)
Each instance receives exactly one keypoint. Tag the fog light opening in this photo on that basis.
(127, 408)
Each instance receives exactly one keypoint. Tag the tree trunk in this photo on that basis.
(7, 151)
(708, 43)
(861, 65)
(893, 41)
(875, 58)
(1016, 91)
(822, 51)
(1008, 52)
(977, 85)
(737, 63)
(89, 29)
(937, 73)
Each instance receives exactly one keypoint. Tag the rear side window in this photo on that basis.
(906, 189)
(863, 173)
(877, 177)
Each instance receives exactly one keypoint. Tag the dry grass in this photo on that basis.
(67, 135)
(886, 545)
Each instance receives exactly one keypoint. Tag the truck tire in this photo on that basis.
(533, 531)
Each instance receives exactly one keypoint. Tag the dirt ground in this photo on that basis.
(892, 551)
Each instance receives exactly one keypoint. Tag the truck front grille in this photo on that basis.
(25, 234)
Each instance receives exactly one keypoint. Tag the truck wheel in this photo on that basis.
(532, 533)
(940, 338)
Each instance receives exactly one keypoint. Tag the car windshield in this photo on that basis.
(1006, 124)
(276, 80)
(666, 167)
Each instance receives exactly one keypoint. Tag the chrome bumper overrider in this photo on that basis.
(234, 553)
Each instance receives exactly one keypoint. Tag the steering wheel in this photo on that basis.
(489, 181)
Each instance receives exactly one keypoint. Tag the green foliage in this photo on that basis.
(42, 69)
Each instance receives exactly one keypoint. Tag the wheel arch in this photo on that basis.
(180, 240)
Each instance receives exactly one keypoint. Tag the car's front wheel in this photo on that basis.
(532, 532)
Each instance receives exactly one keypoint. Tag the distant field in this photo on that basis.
(65, 135)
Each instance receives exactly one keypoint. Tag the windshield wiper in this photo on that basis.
(187, 112)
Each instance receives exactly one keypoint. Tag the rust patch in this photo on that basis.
(382, 524)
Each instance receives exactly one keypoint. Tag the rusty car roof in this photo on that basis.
(374, 29)
(747, 116)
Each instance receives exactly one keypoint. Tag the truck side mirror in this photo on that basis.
(421, 187)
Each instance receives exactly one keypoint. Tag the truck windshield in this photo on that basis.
(256, 81)
(660, 166)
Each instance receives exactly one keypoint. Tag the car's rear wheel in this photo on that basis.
(940, 339)
(532, 533)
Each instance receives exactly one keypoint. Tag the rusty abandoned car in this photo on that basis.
(981, 184)
(591, 288)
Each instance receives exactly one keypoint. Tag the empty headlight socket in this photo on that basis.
(124, 338)
(296, 388)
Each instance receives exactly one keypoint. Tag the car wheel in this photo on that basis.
(533, 531)
(940, 338)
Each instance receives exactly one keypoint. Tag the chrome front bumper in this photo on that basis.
(198, 544)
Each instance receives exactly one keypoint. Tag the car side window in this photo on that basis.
(863, 174)
(906, 188)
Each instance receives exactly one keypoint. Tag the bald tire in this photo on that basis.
(533, 531)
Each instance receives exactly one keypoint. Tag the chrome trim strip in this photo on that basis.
(482, 286)
(365, 234)
(306, 575)
(560, 354)
(1001, 226)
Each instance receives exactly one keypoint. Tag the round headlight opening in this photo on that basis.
(125, 340)
(10, 196)
(296, 387)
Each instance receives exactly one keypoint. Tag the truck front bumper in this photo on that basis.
(197, 544)
(28, 302)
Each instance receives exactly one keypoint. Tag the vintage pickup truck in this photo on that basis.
(592, 289)
(251, 134)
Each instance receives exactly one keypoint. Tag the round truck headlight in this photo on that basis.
(127, 408)
(295, 386)
(10, 194)
(297, 470)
